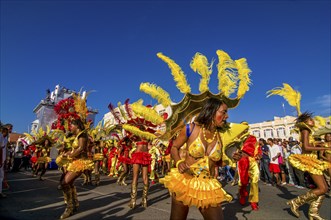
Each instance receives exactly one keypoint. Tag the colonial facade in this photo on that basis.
(277, 128)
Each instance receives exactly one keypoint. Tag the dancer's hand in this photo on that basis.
(237, 155)
(182, 167)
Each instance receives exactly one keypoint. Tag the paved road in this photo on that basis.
(29, 198)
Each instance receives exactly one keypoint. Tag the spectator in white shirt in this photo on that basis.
(274, 165)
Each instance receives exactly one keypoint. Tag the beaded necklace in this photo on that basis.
(207, 139)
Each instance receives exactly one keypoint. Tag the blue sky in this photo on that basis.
(111, 47)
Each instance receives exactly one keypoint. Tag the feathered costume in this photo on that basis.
(140, 123)
(306, 161)
(41, 156)
(70, 109)
(199, 188)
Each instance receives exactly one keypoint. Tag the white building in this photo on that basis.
(45, 109)
(277, 128)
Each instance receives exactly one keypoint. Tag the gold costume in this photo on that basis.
(309, 161)
(197, 187)
(82, 163)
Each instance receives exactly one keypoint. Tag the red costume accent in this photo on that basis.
(142, 158)
(249, 172)
(124, 156)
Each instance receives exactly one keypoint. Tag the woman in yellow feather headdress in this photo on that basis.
(307, 161)
(192, 182)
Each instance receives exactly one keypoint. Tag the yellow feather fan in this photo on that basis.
(292, 96)
(226, 73)
(243, 76)
(177, 73)
(200, 65)
(136, 131)
(147, 113)
(157, 93)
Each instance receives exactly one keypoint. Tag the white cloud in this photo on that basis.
(323, 104)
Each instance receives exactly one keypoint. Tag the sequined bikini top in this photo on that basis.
(75, 142)
(197, 149)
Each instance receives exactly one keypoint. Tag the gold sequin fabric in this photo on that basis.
(197, 188)
(80, 165)
(309, 163)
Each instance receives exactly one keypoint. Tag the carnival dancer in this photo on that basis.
(78, 155)
(140, 158)
(307, 161)
(97, 159)
(87, 174)
(105, 151)
(43, 159)
(155, 156)
(112, 158)
(43, 141)
(140, 123)
(248, 171)
(193, 182)
(125, 147)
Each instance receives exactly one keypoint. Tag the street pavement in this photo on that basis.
(30, 198)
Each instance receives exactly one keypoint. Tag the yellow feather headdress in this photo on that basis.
(147, 113)
(137, 119)
(38, 137)
(232, 75)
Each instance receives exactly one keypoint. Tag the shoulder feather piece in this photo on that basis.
(157, 93)
(292, 96)
(200, 65)
(226, 73)
(177, 73)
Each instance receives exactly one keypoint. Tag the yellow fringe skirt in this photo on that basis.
(309, 163)
(200, 191)
(80, 165)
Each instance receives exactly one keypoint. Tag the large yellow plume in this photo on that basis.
(157, 93)
(177, 73)
(292, 96)
(200, 65)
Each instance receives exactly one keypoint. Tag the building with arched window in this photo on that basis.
(277, 128)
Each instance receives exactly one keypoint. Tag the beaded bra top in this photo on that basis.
(198, 150)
